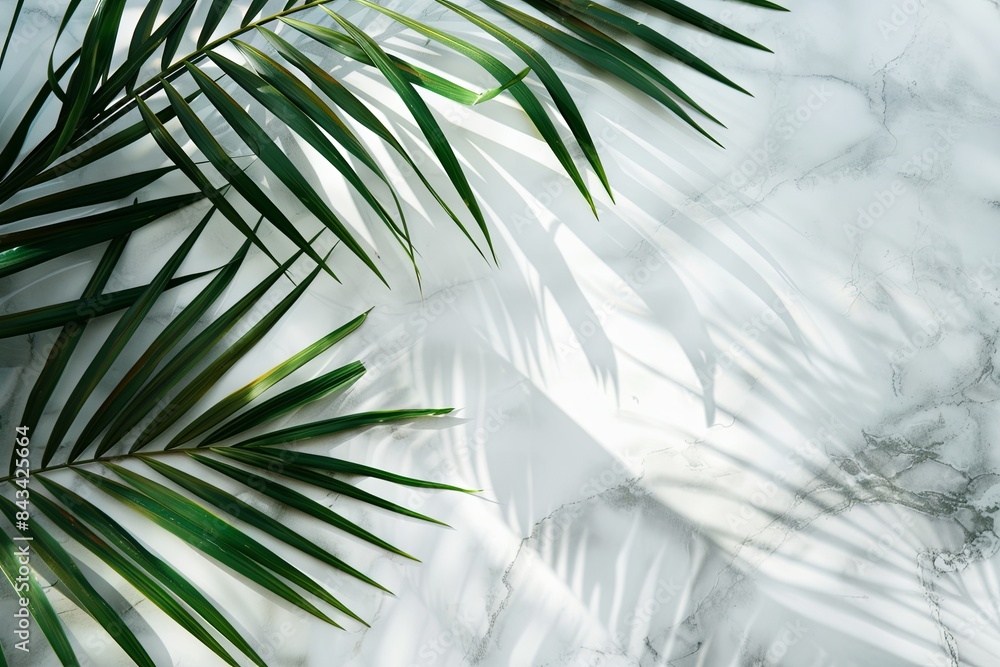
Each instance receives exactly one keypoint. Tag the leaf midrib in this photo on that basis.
(97, 459)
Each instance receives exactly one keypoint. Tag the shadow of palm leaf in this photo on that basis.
(94, 119)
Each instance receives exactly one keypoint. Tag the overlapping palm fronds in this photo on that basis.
(164, 80)
(127, 467)
(109, 101)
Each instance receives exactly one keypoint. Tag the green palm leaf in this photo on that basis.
(187, 358)
(65, 568)
(27, 587)
(115, 343)
(287, 401)
(143, 80)
(68, 339)
(243, 396)
(96, 91)
(132, 573)
(168, 576)
(82, 524)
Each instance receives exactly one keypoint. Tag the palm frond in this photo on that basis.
(63, 520)
(173, 92)
(95, 94)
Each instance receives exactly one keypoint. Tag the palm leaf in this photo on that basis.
(187, 358)
(131, 572)
(287, 401)
(68, 339)
(243, 396)
(95, 91)
(115, 343)
(28, 588)
(26, 248)
(349, 103)
(167, 340)
(155, 97)
(86, 511)
(205, 380)
(272, 155)
(73, 521)
(66, 569)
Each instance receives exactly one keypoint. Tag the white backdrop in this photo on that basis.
(745, 418)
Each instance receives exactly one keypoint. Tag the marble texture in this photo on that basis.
(746, 418)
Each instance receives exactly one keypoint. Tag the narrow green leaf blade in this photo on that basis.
(114, 344)
(552, 82)
(243, 184)
(38, 604)
(246, 394)
(85, 195)
(216, 11)
(268, 456)
(200, 385)
(621, 64)
(171, 335)
(529, 103)
(415, 75)
(240, 509)
(81, 310)
(191, 170)
(29, 247)
(68, 339)
(349, 102)
(133, 574)
(655, 38)
(124, 77)
(105, 147)
(185, 360)
(337, 425)
(424, 118)
(325, 482)
(65, 568)
(203, 531)
(681, 11)
(195, 513)
(163, 571)
(16, 140)
(302, 111)
(299, 501)
(618, 59)
(10, 31)
(279, 163)
(288, 400)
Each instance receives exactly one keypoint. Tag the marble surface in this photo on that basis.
(746, 418)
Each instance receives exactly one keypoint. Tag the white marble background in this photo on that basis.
(745, 418)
